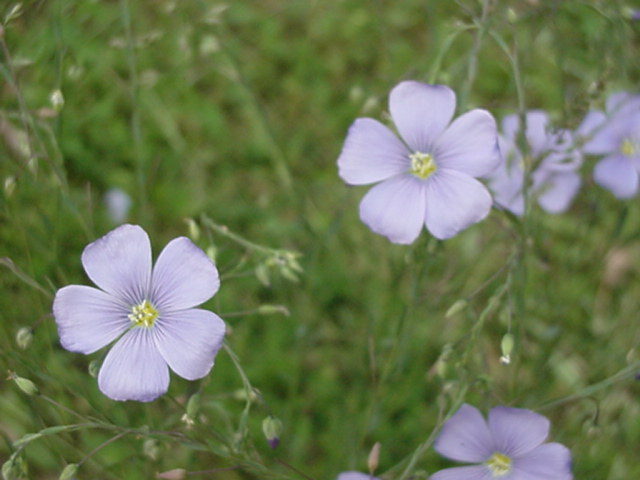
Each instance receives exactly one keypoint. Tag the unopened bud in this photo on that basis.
(272, 428)
(24, 384)
(57, 100)
(9, 185)
(374, 458)
(194, 229)
(24, 337)
(175, 474)
(68, 472)
(212, 253)
(151, 448)
(193, 405)
(506, 345)
(94, 368)
(457, 307)
(14, 468)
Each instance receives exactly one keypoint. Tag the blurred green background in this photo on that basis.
(233, 114)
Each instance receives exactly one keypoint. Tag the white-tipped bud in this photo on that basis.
(193, 228)
(24, 384)
(506, 345)
(212, 253)
(57, 100)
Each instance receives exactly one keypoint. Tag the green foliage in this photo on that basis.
(223, 121)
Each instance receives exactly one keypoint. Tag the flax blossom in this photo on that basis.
(510, 446)
(356, 476)
(150, 311)
(554, 179)
(615, 136)
(428, 177)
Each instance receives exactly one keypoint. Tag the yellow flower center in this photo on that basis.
(422, 165)
(629, 147)
(143, 315)
(499, 464)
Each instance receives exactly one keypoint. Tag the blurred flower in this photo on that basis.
(615, 135)
(118, 203)
(554, 178)
(428, 177)
(150, 312)
(356, 476)
(509, 446)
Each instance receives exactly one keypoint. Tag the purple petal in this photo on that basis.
(618, 175)
(475, 472)
(371, 153)
(88, 318)
(189, 340)
(548, 461)
(455, 201)
(465, 437)
(559, 190)
(395, 208)
(622, 103)
(469, 144)
(421, 112)
(517, 431)
(536, 130)
(183, 277)
(120, 263)
(356, 476)
(590, 125)
(134, 369)
(606, 139)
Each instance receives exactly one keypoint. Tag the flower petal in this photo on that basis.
(475, 472)
(469, 144)
(536, 130)
(395, 208)
(134, 369)
(371, 153)
(465, 437)
(455, 201)
(421, 112)
(618, 175)
(183, 277)
(120, 263)
(558, 191)
(189, 340)
(355, 476)
(88, 318)
(551, 460)
(517, 431)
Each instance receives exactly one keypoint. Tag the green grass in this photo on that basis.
(234, 114)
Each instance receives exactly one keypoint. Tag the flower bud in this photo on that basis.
(272, 428)
(457, 307)
(194, 229)
(175, 474)
(14, 468)
(373, 459)
(212, 253)
(151, 448)
(24, 384)
(57, 100)
(9, 185)
(273, 309)
(68, 472)
(193, 405)
(94, 368)
(24, 337)
(506, 345)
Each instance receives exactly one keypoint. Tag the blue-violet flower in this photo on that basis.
(149, 311)
(510, 446)
(428, 177)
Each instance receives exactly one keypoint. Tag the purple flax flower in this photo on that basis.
(429, 176)
(615, 135)
(509, 446)
(356, 476)
(554, 180)
(150, 312)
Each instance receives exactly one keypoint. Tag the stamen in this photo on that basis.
(629, 147)
(499, 464)
(422, 165)
(143, 315)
